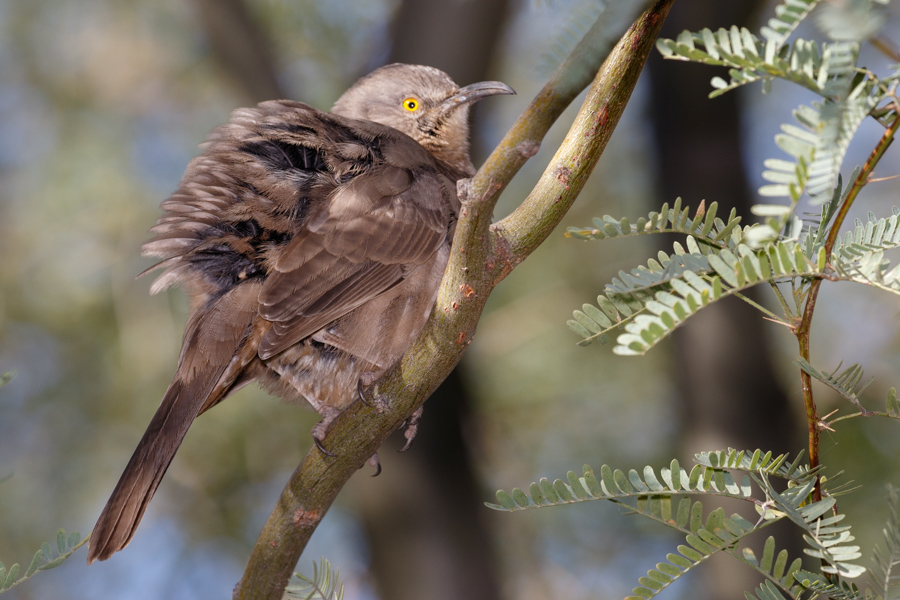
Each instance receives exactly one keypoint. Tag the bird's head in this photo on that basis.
(422, 102)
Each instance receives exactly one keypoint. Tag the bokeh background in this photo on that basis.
(102, 104)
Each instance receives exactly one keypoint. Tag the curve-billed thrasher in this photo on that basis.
(311, 245)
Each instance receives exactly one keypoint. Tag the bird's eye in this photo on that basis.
(411, 104)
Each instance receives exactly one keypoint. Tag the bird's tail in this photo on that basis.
(148, 464)
(214, 354)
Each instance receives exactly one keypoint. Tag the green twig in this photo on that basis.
(868, 413)
(36, 568)
(782, 300)
(761, 308)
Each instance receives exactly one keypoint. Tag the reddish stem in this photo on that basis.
(803, 330)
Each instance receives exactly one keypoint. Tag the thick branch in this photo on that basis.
(575, 73)
(568, 171)
(478, 258)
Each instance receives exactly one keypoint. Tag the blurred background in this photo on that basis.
(102, 104)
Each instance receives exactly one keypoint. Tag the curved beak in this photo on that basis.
(474, 93)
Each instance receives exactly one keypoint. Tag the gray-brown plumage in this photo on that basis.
(311, 245)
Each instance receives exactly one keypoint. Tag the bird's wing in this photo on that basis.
(372, 232)
(246, 194)
(325, 210)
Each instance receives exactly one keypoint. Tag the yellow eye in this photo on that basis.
(411, 104)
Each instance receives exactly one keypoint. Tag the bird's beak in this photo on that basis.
(474, 93)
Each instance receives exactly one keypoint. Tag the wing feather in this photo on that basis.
(312, 205)
(357, 247)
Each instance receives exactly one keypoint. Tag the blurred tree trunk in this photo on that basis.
(729, 391)
(456, 36)
(425, 525)
(241, 48)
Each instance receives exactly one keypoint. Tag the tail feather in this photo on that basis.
(148, 464)
(216, 350)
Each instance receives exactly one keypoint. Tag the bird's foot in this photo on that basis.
(319, 430)
(375, 462)
(361, 392)
(322, 448)
(412, 428)
(376, 402)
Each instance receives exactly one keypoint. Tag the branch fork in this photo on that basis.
(481, 256)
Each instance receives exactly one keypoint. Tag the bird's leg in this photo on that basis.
(318, 433)
(319, 429)
(412, 428)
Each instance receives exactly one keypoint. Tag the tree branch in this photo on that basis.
(563, 179)
(575, 73)
(805, 326)
(480, 257)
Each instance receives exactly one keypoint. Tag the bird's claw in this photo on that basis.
(361, 393)
(375, 402)
(412, 428)
(375, 462)
(322, 448)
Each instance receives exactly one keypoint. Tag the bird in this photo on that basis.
(311, 245)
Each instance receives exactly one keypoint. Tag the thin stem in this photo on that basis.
(861, 180)
(886, 47)
(761, 308)
(782, 300)
(803, 330)
(64, 556)
(868, 413)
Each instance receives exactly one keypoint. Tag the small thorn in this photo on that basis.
(777, 322)
(877, 179)
(823, 422)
